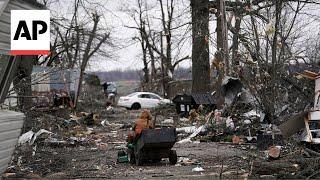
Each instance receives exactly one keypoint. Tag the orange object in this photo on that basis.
(144, 122)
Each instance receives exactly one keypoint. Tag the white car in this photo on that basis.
(139, 100)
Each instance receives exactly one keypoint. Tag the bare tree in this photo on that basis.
(79, 39)
(154, 53)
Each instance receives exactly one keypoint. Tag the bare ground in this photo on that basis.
(96, 155)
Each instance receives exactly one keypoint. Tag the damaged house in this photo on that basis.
(10, 122)
(52, 86)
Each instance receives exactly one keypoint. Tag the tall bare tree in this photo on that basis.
(80, 38)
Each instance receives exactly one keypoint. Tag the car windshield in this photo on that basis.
(133, 94)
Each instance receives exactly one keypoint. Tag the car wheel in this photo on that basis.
(135, 106)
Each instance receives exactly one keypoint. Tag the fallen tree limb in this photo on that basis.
(316, 173)
(267, 168)
(311, 152)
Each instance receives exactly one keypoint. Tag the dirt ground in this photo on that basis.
(95, 155)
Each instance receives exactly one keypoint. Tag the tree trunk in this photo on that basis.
(22, 82)
(200, 46)
(152, 59)
(270, 109)
(235, 42)
(145, 63)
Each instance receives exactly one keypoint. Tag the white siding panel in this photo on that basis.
(10, 128)
(5, 27)
(5, 36)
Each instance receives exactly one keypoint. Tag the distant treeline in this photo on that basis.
(135, 75)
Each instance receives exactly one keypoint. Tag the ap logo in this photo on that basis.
(30, 32)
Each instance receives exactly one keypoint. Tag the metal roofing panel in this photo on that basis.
(203, 98)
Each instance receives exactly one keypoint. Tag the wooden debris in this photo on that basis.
(265, 168)
(264, 141)
(274, 152)
(293, 124)
(237, 140)
(311, 152)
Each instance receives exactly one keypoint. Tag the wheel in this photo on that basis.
(139, 161)
(135, 106)
(173, 157)
(131, 157)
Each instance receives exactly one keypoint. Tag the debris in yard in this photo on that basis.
(274, 152)
(194, 134)
(197, 169)
(168, 121)
(55, 142)
(30, 137)
(231, 86)
(293, 124)
(311, 152)
(230, 123)
(184, 119)
(194, 116)
(266, 140)
(186, 161)
(106, 123)
(26, 137)
(187, 130)
(8, 175)
(87, 119)
(237, 140)
(268, 168)
(252, 114)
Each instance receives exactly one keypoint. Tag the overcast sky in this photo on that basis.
(129, 56)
